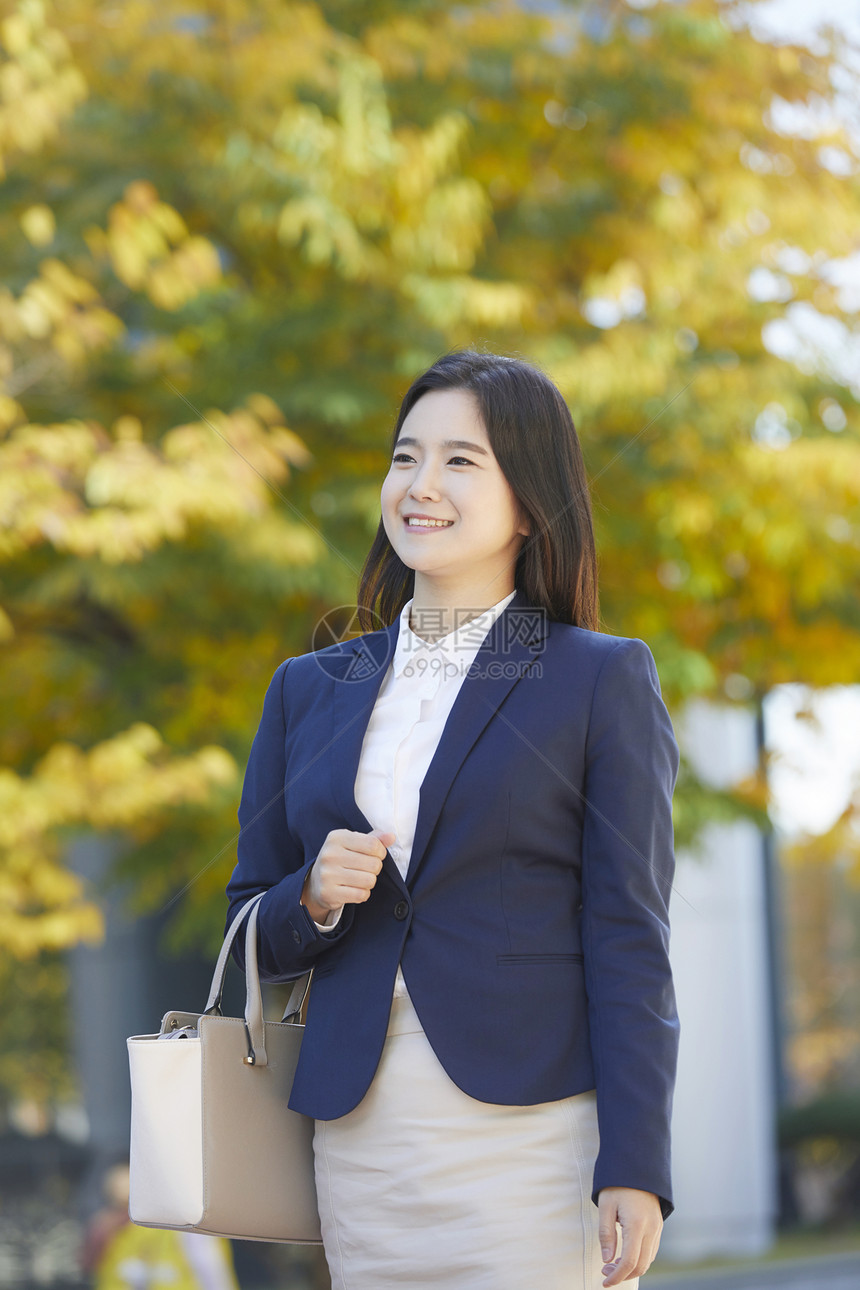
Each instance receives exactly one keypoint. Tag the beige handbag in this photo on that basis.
(214, 1146)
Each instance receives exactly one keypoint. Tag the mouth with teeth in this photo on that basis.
(413, 523)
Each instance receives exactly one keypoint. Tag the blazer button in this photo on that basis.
(297, 936)
(401, 910)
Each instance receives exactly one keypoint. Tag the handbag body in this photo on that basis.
(214, 1146)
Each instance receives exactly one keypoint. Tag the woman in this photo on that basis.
(462, 821)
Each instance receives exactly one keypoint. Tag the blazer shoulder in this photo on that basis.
(596, 646)
(357, 658)
(377, 642)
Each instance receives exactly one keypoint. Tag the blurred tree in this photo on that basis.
(155, 574)
(230, 233)
(822, 910)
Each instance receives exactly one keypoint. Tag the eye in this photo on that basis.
(405, 456)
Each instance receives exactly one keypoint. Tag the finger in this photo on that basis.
(384, 839)
(607, 1229)
(362, 844)
(339, 837)
(340, 879)
(351, 863)
(352, 895)
(626, 1264)
(364, 879)
(340, 859)
(652, 1248)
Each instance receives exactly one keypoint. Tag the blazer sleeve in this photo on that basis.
(628, 865)
(270, 860)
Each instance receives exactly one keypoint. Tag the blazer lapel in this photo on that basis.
(358, 674)
(511, 644)
(505, 655)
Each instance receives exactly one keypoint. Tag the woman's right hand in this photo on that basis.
(345, 871)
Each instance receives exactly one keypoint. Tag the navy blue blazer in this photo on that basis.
(532, 925)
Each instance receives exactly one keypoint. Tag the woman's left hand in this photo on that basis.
(641, 1220)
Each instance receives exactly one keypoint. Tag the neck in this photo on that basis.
(434, 613)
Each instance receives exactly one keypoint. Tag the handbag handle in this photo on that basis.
(213, 1003)
(254, 1027)
(254, 1021)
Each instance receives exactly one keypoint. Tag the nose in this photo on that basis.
(424, 482)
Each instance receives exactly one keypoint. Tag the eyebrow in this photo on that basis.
(446, 443)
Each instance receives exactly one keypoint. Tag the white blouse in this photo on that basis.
(416, 695)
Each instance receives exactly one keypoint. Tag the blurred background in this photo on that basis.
(230, 235)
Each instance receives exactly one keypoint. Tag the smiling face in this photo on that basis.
(443, 469)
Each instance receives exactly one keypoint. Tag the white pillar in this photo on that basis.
(723, 1126)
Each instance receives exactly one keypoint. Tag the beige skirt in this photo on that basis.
(422, 1186)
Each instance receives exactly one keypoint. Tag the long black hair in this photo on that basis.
(532, 435)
